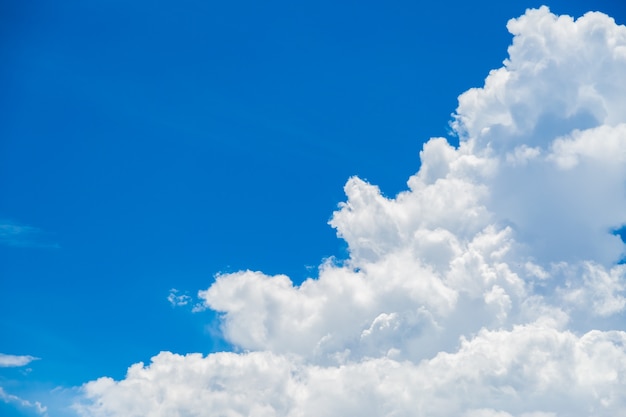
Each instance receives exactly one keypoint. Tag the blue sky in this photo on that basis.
(146, 146)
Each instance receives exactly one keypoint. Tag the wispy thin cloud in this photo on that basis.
(8, 361)
(18, 235)
(14, 399)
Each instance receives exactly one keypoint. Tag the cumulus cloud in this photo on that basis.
(484, 290)
(15, 360)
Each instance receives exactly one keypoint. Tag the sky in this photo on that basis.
(312, 208)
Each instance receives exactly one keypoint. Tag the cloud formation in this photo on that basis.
(178, 300)
(22, 403)
(489, 288)
(15, 360)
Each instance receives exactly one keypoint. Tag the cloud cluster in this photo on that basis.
(488, 289)
(178, 300)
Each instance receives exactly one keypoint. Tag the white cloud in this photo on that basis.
(15, 360)
(178, 300)
(22, 403)
(478, 292)
(529, 370)
(595, 289)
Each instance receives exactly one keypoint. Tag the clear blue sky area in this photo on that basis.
(149, 145)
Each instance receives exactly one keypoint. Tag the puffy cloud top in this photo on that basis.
(487, 289)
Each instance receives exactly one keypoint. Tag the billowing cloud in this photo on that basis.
(15, 360)
(489, 288)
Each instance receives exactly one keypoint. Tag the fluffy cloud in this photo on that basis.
(487, 289)
(529, 370)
